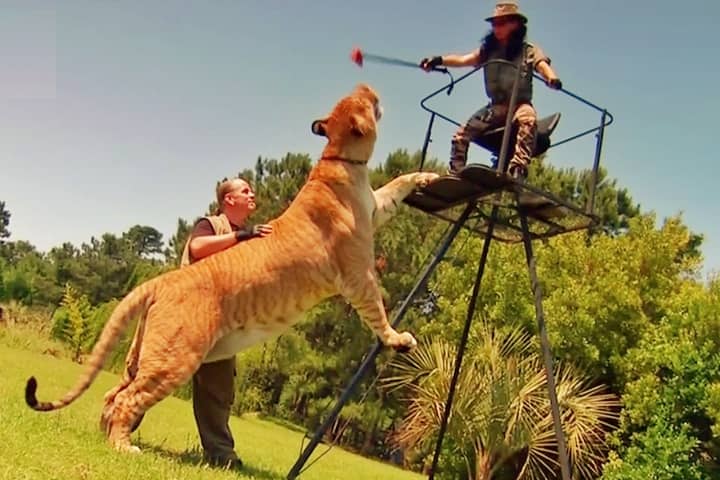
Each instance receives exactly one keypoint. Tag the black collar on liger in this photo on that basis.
(343, 159)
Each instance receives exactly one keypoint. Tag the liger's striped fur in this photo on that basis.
(321, 246)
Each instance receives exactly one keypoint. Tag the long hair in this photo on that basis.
(515, 44)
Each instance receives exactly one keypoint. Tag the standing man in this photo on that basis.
(506, 41)
(213, 388)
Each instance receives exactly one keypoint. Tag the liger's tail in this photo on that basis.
(136, 302)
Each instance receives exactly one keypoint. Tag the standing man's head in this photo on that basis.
(236, 199)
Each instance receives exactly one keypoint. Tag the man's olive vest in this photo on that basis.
(499, 77)
(220, 225)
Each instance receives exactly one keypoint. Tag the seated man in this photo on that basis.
(506, 41)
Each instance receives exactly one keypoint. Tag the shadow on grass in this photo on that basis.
(194, 457)
(277, 421)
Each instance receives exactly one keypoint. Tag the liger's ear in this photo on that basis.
(319, 127)
(359, 125)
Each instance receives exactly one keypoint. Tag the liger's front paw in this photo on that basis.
(423, 179)
(404, 342)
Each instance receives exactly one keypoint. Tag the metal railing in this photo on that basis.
(605, 120)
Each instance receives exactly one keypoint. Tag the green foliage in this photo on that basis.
(662, 452)
(16, 285)
(712, 403)
(24, 274)
(173, 254)
(259, 380)
(143, 271)
(599, 295)
(72, 323)
(145, 241)
(501, 414)
(623, 305)
(276, 183)
(4, 221)
(282, 179)
(79, 325)
(98, 318)
(613, 205)
(671, 384)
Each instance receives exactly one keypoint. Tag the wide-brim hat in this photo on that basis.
(507, 9)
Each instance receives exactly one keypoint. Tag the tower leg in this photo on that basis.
(463, 341)
(375, 350)
(545, 345)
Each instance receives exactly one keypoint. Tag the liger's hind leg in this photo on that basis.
(163, 365)
(147, 389)
(131, 368)
(109, 405)
(169, 356)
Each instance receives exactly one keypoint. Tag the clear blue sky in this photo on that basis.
(121, 113)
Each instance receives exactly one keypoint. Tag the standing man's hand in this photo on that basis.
(262, 230)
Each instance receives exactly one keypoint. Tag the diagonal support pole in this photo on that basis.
(544, 344)
(463, 340)
(377, 348)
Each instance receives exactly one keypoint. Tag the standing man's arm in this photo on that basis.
(204, 242)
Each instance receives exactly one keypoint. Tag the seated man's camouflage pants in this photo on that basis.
(490, 117)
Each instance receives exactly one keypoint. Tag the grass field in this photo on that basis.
(67, 444)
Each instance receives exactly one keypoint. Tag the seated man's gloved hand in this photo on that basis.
(428, 64)
(555, 83)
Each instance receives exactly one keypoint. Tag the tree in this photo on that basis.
(4, 221)
(671, 394)
(14, 252)
(106, 264)
(501, 419)
(277, 182)
(662, 452)
(599, 294)
(613, 205)
(26, 275)
(176, 245)
(17, 285)
(145, 241)
(72, 321)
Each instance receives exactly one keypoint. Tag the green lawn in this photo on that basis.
(67, 444)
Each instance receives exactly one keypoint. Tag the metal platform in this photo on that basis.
(547, 214)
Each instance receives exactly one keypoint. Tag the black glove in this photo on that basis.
(430, 63)
(247, 233)
(555, 84)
